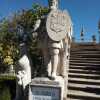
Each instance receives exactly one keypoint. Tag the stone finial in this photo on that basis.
(82, 34)
(94, 38)
(53, 4)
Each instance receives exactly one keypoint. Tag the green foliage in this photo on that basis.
(8, 52)
(7, 88)
(9, 41)
(39, 10)
(4, 93)
(7, 77)
(8, 46)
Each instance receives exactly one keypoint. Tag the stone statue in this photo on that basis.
(53, 4)
(24, 68)
(54, 32)
(55, 40)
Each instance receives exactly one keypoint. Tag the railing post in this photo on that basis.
(93, 38)
(82, 34)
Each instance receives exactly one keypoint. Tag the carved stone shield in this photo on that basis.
(58, 24)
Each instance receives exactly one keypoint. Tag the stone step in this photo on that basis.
(84, 81)
(85, 53)
(85, 67)
(86, 76)
(85, 64)
(84, 49)
(88, 59)
(84, 87)
(80, 71)
(81, 95)
(85, 44)
(84, 72)
(72, 99)
(96, 46)
(84, 61)
(85, 56)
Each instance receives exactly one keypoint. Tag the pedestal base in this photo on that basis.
(45, 89)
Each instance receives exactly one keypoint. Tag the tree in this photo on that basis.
(9, 50)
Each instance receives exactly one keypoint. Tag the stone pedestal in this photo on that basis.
(45, 89)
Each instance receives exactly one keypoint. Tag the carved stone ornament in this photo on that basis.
(58, 24)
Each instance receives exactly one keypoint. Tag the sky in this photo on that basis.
(84, 13)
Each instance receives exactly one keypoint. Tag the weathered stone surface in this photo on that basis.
(55, 40)
(45, 89)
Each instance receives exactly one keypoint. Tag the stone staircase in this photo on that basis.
(84, 72)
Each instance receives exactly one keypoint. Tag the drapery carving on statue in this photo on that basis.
(24, 75)
(23, 69)
(63, 58)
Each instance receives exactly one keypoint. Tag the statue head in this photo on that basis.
(53, 4)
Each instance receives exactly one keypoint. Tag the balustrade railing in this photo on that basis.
(85, 40)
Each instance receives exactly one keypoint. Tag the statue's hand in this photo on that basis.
(20, 76)
(19, 80)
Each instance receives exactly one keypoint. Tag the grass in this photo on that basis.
(7, 86)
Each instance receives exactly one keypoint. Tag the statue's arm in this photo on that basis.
(37, 24)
